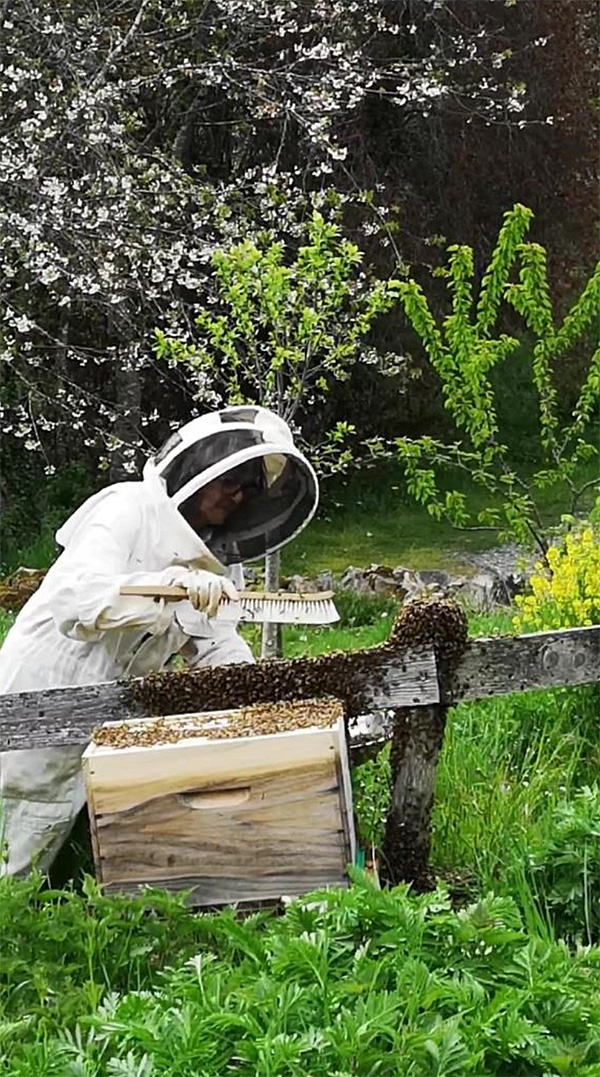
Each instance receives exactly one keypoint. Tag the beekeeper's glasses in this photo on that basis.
(248, 478)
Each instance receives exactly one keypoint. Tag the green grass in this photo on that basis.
(505, 766)
(367, 518)
(370, 519)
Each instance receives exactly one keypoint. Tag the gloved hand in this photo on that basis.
(204, 589)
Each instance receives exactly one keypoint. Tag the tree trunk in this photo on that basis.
(128, 398)
(272, 643)
(64, 442)
(4, 496)
(416, 743)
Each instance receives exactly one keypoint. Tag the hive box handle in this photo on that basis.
(214, 798)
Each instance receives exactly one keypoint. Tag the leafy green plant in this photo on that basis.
(361, 981)
(63, 951)
(564, 866)
(464, 355)
(371, 792)
(287, 324)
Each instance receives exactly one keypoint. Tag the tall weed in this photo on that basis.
(507, 767)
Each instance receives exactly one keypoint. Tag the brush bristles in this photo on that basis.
(283, 610)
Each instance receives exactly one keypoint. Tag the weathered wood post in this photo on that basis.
(417, 738)
(272, 635)
(416, 744)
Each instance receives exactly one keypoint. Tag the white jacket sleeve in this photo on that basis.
(225, 647)
(83, 586)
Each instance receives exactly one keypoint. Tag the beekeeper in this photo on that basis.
(226, 488)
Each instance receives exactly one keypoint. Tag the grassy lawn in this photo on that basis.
(364, 519)
(370, 520)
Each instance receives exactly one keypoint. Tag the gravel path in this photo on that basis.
(504, 560)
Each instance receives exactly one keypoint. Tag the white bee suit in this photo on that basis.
(77, 629)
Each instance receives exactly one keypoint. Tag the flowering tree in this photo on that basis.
(137, 137)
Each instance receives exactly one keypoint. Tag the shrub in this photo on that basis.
(567, 594)
(564, 870)
(357, 609)
(359, 981)
(371, 792)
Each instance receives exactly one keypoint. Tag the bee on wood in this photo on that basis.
(343, 675)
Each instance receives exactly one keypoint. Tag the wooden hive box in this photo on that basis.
(243, 818)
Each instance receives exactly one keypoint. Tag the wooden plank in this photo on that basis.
(60, 716)
(499, 666)
(200, 809)
(345, 793)
(124, 778)
(489, 667)
(55, 717)
(269, 834)
(91, 813)
(235, 890)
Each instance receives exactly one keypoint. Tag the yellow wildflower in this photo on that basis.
(567, 592)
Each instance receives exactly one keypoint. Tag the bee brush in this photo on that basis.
(273, 607)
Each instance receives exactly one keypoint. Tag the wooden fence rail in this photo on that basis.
(409, 690)
(488, 667)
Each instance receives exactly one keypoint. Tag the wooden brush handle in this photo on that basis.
(175, 593)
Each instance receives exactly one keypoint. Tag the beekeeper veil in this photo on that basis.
(254, 447)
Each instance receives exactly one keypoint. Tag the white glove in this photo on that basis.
(204, 589)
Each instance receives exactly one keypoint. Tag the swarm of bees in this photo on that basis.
(434, 620)
(256, 721)
(342, 675)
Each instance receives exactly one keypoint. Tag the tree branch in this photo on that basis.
(577, 493)
(118, 49)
